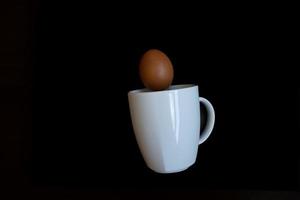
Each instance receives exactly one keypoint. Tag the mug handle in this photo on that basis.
(210, 122)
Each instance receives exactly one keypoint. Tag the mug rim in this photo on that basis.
(170, 89)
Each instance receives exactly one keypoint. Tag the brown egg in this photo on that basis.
(156, 70)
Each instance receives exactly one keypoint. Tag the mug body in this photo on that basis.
(167, 126)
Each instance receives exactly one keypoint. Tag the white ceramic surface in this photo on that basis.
(167, 126)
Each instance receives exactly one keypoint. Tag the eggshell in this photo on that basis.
(156, 70)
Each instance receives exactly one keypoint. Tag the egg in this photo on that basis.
(156, 70)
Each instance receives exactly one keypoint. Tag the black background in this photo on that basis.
(85, 59)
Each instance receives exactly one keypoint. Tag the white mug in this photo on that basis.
(167, 126)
